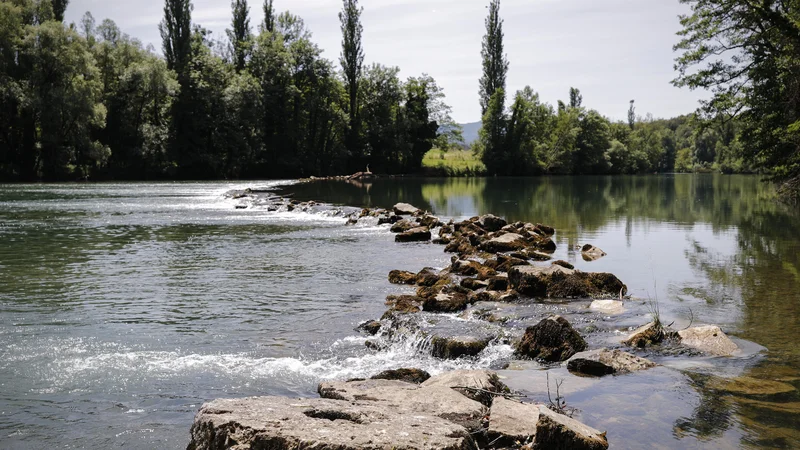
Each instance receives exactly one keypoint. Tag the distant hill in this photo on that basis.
(470, 132)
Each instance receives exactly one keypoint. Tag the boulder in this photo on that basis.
(429, 400)
(545, 230)
(508, 242)
(402, 225)
(404, 209)
(402, 277)
(606, 362)
(427, 277)
(646, 335)
(544, 244)
(499, 283)
(473, 284)
(471, 268)
(416, 376)
(475, 384)
(288, 423)
(446, 302)
(708, 339)
(513, 424)
(556, 281)
(553, 339)
(492, 223)
(371, 327)
(591, 253)
(403, 304)
(428, 221)
(418, 234)
(455, 347)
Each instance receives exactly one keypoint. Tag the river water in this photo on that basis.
(123, 307)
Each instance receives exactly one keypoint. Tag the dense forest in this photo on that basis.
(86, 101)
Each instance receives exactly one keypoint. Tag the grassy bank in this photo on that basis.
(452, 163)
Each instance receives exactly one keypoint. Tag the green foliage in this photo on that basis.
(269, 16)
(239, 36)
(746, 54)
(453, 163)
(352, 60)
(495, 63)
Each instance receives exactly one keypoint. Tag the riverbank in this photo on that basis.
(500, 288)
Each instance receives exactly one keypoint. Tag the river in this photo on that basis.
(125, 306)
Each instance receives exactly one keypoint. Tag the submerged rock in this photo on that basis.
(415, 376)
(708, 339)
(607, 306)
(606, 362)
(553, 339)
(286, 423)
(514, 424)
(418, 234)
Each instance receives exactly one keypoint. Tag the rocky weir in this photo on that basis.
(501, 288)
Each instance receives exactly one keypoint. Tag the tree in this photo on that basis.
(575, 98)
(746, 53)
(176, 33)
(239, 35)
(492, 135)
(59, 8)
(632, 115)
(269, 16)
(352, 59)
(495, 63)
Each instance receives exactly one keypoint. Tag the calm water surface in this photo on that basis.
(124, 306)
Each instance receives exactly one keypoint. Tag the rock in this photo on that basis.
(471, 268)
(468, 381)
(508, 242)
(513, 424)
(564, 264)
(552, 339)
(431, 400)
(414, 235)
(286, 423)
(545, 230)
(607, 306)
(591, 253)
(371, 327)
(461, 245)
(560, 282)
(416, 376)
(605, 362)
(505, 263)
(402, 226)
(403, 304)
(446, 302)
(646, 335)
(427, 277)
(473, 284)
(544, 244)
(749, 386)
(708, 339)
(404, 209)
(402, 277)
(492, 223)
(457, 346)
(498, 283)
(428, 221)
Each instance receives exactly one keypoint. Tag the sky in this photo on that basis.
(612, 50)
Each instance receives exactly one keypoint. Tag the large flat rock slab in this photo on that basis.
(427, 398)
(279, 423)
(709, 339)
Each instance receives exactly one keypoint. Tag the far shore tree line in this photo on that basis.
(744, 53)
(86, 101)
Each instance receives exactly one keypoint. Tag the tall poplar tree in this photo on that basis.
(269, 16)
(495, 63)
(176, 33)
(59, 8)
(239, 36)
(352, 60)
